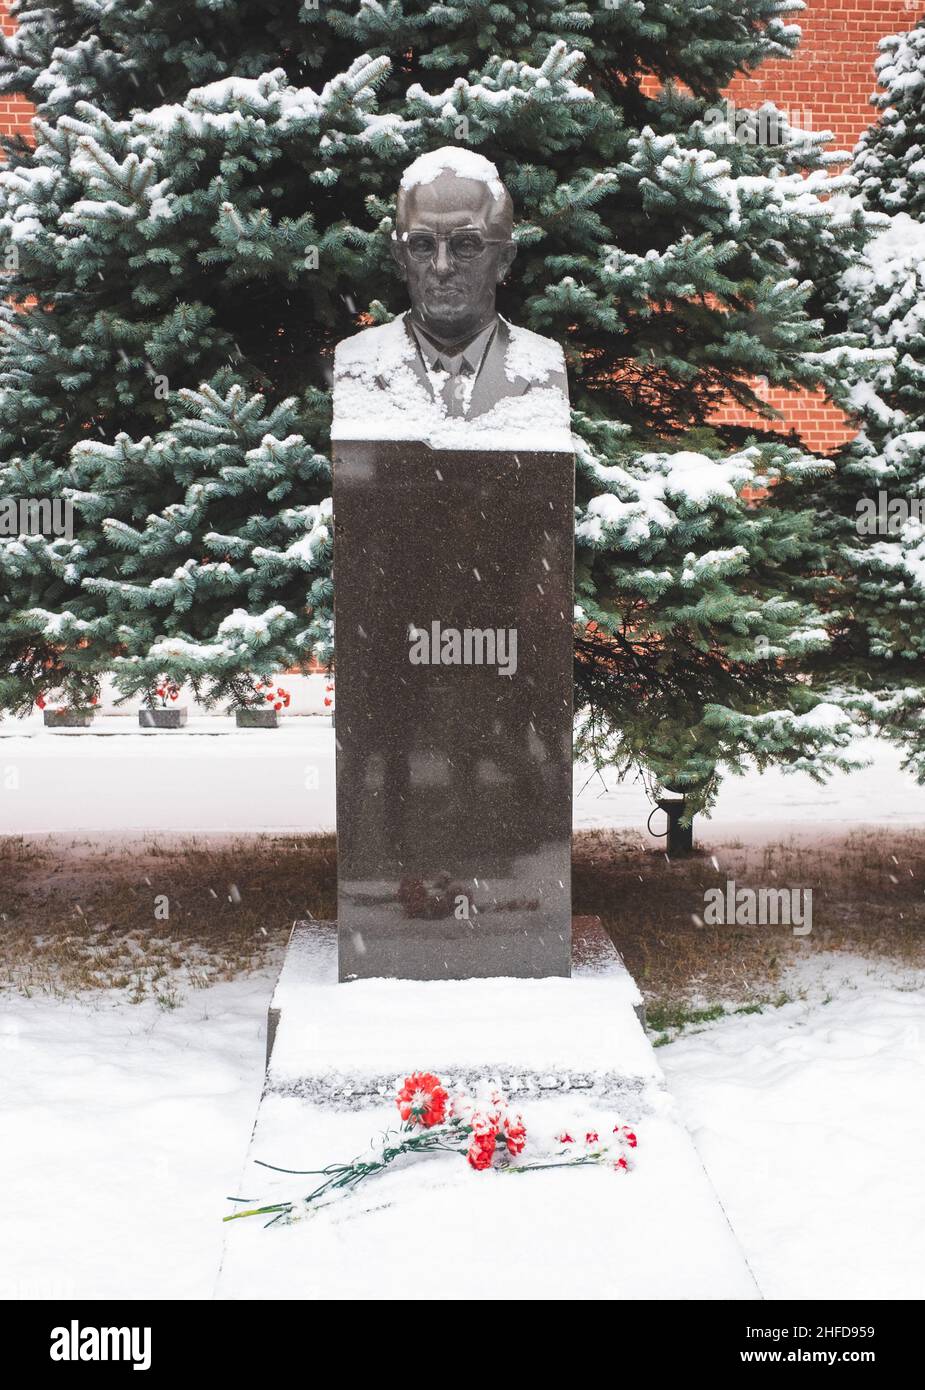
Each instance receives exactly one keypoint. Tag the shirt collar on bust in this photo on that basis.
(468, 359)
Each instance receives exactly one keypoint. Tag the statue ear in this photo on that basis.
(506, 259)
(398, 256)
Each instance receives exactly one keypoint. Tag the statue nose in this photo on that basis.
(443, 261)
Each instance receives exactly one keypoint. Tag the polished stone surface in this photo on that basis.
(453, 776)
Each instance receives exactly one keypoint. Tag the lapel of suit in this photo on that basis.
(416, 360)
(485, 392)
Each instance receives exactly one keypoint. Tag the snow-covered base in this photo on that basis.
(570, 1053)
(435, 1229)
(349, 1040)
(123, 1128)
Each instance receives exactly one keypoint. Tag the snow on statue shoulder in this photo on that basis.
(451, 372)
(383, 391)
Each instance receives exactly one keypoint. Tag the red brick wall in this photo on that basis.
(832, 75)
(15, 111)
(829, 83)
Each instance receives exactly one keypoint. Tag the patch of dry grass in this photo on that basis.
(77, 916)
(152, 918)
(868, 891)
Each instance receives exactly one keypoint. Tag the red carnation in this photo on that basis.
(422, 1100)
(515, 1132)
(626, 1134)
(592, 1137)
(41, 702)
(565, 1138)
(481, 1149)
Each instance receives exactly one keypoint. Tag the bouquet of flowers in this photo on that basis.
(484, 1129)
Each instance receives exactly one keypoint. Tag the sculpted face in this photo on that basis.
(453, 287)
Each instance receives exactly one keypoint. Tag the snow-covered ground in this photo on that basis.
(809, 1120)
(213, 778)
(124, 1129)
(124, 1126)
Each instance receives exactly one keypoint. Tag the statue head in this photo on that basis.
(453, 241)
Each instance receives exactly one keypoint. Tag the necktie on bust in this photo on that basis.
(453, 375)
(457, 388)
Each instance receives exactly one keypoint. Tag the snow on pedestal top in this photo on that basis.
(584, 1026)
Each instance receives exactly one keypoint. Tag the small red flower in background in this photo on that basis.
(626, 1135)
(592, 1137)
(40, 702)
(168, 689)
(422, 1100)
(565, 1138)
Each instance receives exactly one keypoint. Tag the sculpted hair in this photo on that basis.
(501, 215)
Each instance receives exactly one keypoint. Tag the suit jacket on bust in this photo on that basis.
(383, 389)
(492, 384)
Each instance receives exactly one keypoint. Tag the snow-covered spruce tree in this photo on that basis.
(875, 501)
(206, 213)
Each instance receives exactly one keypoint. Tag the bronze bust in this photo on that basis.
(450, 371)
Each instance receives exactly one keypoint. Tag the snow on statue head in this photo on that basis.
(450, 371)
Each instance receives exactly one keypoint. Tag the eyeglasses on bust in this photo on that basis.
(464, 243)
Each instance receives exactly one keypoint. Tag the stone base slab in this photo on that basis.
(570, 1051)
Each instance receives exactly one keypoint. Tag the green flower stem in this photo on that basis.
(582, 1162)
(350, 1174)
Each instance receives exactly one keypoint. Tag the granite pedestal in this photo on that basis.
(453, 585)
